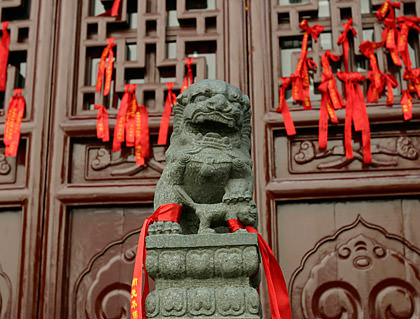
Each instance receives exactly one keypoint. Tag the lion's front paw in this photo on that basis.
(164, 227)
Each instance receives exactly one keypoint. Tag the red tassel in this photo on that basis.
(102, 123)
(164, 123)
(167, 212)
(4, 55)
(356, 113)
(13, 122)
(343, 39)
(300, 79)
(189, 77)
(106, 65)
(284, 109)
(120, 125)
(407, 104)
(277, 288)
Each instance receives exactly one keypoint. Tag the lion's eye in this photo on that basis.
(200, 98)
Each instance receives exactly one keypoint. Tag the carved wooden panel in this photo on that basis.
(358, 258)
(11, 231)
(101, 248)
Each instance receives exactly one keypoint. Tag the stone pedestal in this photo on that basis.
(202, 276)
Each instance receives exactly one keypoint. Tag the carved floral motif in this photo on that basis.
(404, 148)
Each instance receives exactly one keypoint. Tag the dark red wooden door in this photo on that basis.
(71, 209)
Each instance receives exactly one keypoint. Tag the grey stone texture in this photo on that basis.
(199, 268)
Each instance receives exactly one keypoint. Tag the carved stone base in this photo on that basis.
(202, 276)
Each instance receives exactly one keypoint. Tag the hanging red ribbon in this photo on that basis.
(344, 40)
(407, 104)
(300, 79)
(102, 123)
(142, 148)
(121, 127)
(115, 10)
(389, 37)
(413, 78)
(13, 122)
(4, 55)
(277, 288)
(367, 48)
(389, 81)
(167, 212)
(326, 110)
(106, 65)
(387, 7)
(356, 113)
(373, 91)
(284, 109)
(189, 77)
(327, 76)
(406, 23)
(164, 122)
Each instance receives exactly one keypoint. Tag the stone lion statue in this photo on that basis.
(208, 164)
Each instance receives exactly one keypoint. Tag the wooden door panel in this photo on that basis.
(353, 255)
(10, 253)
(101, 247)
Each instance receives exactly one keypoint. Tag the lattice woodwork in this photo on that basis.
(332, 14)
(152, 40)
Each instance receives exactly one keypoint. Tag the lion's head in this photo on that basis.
(215, 114)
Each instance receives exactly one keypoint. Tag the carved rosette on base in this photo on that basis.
(203, 275)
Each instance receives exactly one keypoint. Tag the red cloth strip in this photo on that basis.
(277, 288)
(189, 76)
(164, 122)
(115, 10)
(343, 39)
(368, 49)
(356, 113)
(102, 123)
(406, 23)
(389, 82)
(407, 104)
(4, 55)
(120, 125)
(413, 78)
(142, 148)
(14, 116)
(389, 37)
(326, 110)
(167, 212)
(387, 7)
(300, 79)
(284, 109)
(106, 65)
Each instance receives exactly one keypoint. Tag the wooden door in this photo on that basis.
(344, 231)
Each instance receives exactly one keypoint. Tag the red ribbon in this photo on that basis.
(389, 81)
(102, 123)
(326, 110)
(373, 91)
(106, 65)
(128, 99)
(387, 7)
(142, 148)
(407, 104)
(277, 289)
(300, 79)
(115, 10)
(327, 76)
(344, 40)
(13, 122)
(413, 78)
(189, 77)
(406, 23)
(356, 113)
(164, 122)
(389, 37)
(368, 49)
(167, 212)
(284, 109)
(4, 55)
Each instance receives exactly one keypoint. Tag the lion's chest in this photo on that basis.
(205, 178)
